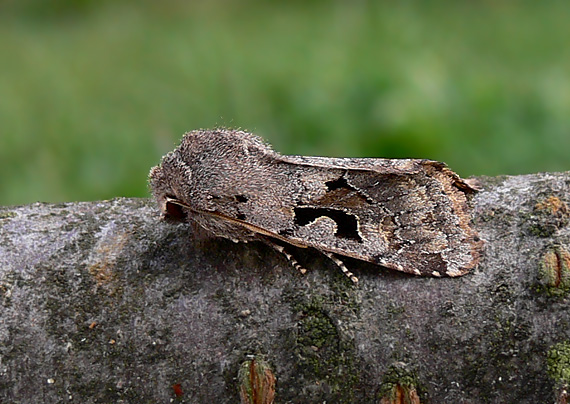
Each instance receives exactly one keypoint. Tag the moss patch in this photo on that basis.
(558, 361)
(326, 358)
(554, 271)
(548, 215)
(7, 214)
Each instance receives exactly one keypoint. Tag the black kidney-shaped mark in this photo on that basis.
(347, 225)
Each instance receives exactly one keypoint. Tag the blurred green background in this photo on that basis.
(93, 93)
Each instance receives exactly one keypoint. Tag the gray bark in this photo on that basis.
(103, 302)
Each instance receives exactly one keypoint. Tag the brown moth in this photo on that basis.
(409, 215)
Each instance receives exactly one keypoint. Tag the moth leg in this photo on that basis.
(341, 265)
(289, 257)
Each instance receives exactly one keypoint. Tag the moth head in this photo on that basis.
(165, 182)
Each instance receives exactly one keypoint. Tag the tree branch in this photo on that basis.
(104, 302)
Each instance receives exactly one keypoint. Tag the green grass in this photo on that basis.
(92, 94)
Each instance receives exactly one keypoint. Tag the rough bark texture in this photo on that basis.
(102, 302)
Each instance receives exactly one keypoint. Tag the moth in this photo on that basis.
(410, 215)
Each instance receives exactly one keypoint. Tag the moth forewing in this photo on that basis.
(411, 216)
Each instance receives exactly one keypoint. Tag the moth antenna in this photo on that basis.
(287, 255)
(341, 265)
